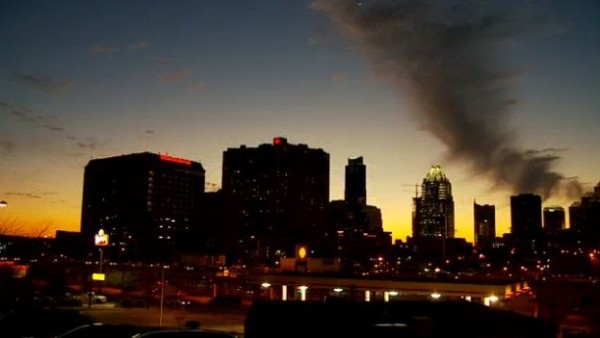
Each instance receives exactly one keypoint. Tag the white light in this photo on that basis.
(303, 289)
(265, 285)
(393, 293)
(488, 301)
(338, 290)
(436, 295)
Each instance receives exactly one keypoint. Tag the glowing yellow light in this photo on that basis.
(302, 252)
(98, 276)
(265, 285)
(436, 295)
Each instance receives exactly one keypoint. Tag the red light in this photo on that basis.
(277, 141)
(172, 159)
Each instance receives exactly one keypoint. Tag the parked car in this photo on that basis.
(100, 330)
(184, 334)
(94, 297)
(39, 323)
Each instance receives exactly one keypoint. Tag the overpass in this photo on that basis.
(313, 287)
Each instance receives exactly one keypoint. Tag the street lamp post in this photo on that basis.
(162, 294)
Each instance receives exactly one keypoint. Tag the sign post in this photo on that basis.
(101, 240)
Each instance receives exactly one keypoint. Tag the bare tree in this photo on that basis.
(10, 226)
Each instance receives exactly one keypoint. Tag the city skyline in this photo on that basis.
(83, 81)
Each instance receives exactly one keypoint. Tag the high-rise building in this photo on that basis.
(433, 213)
(356, 182)
(145, 202)
(281, 192)
(526, 216)
(584, 215)
(485, 225)
(554, 219)
(359, 227)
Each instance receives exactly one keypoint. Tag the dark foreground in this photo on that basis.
(266, 319)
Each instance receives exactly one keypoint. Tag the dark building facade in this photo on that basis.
(584, 216)
(526, 216)
(554, 219)
(355, 192)
(359, 227)
(433, 211)
(280, 192)
(485, 225)
(147, 203)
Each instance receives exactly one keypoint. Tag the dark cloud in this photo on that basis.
(41, 83)
(443, 55)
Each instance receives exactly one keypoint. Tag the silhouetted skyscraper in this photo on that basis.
(554, 219)
(359, 228)
(584, 215)
(485, 225)
(433, 213)
(356, 182)
(145, 202)
(526, 215)
(281, 192)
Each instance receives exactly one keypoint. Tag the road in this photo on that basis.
(227, 320)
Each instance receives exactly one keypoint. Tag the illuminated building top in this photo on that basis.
(436, 174)
(173, 159)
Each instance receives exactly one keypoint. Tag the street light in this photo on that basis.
(3, 204)
(162, 293)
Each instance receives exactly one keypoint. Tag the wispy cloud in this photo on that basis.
(198, 85)
(24, 115)
(89, 143)
(340, 79)
(178, 76)
(45, 122)
(23, 194)
(182, 77)
(104, 49)
(7, 145)
(53, 128)
(41, 83)
(99, 49)
(138, 45)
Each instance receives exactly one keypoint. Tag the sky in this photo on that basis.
(504, 95)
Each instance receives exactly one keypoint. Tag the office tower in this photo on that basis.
(356, 182)
(359, 227)
(526, 216)
(145, 202)
(485, 225)
(281, 192)
(554, 219)
(433, 213)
